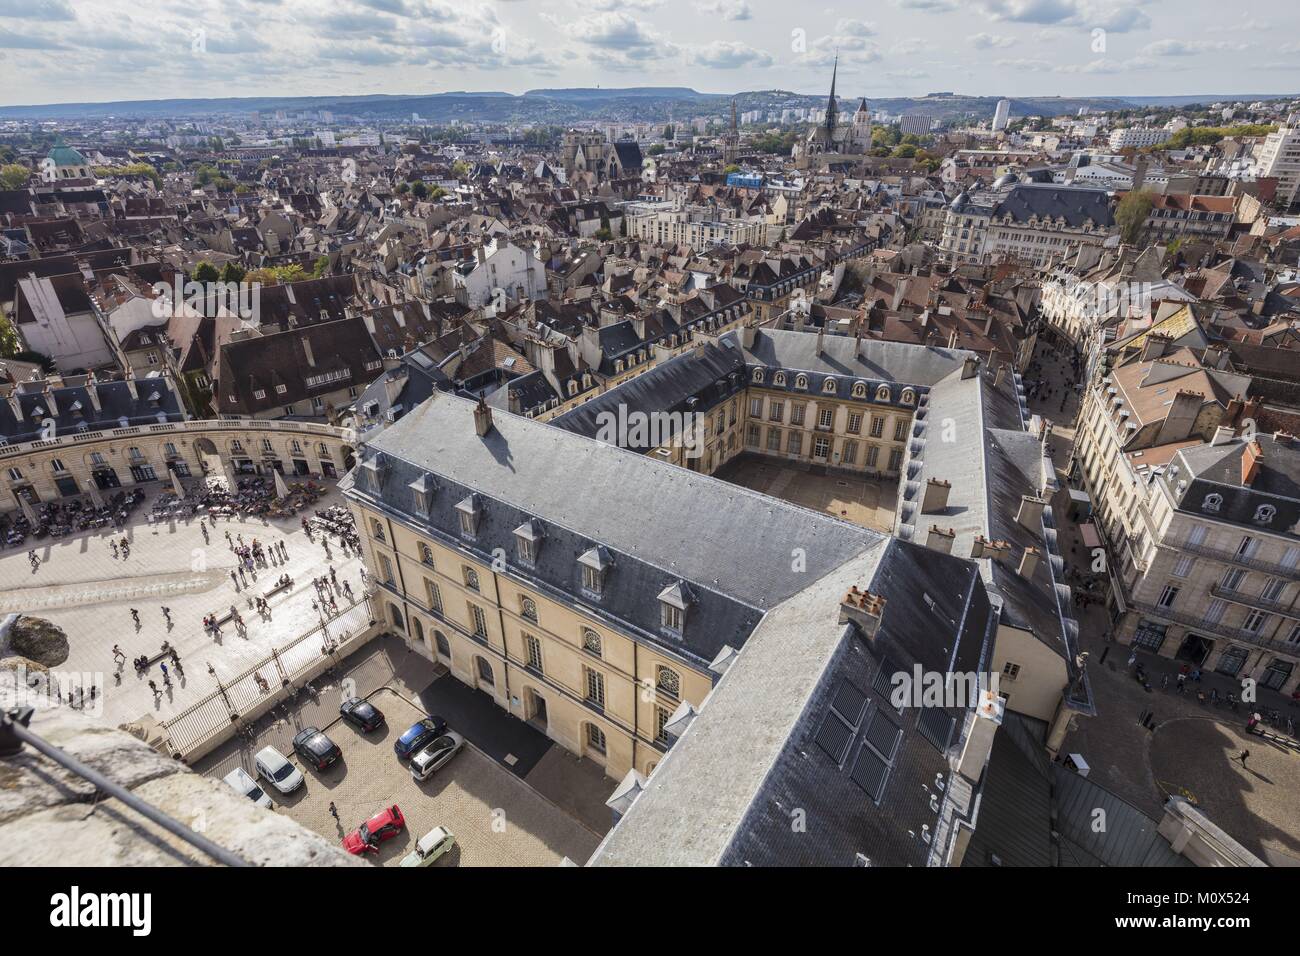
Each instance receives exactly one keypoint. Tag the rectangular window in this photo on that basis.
(850, 456)
(877, 426)
(662, 716)
(1010, 671)
(796, 413)
(479, 620)
(385, 569)
(855, 423)
(595, 739)
(534, 648)
(794, 443)
(755, 408)
(895, 459)
(434, 595)
(752, 436)
(774, 439)
(1184, 566)
(1168, 596)
(775, 411)
(821, 447)
(825, 418)
(595, 682)
(1255, 621)
(873, 452)
(900, 429)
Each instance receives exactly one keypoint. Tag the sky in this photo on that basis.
(55, 51)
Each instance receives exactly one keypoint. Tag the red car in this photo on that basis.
(384, 825)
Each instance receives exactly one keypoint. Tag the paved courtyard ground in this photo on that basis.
(512, 797)
(83, 589)
(868, 502)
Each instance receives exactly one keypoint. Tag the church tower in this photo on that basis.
(832, 108)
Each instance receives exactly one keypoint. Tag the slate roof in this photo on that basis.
(119, 408)
(586, 493)
(1216, 469)
(1076, 205)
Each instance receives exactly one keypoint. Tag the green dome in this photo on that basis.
(66, 156)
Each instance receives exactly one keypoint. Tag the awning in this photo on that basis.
(1089, 534)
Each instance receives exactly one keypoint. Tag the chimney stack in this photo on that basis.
(1222, 435)
(863, 609)
(1030, 515)
(482, 417)
(970, 367)
(1001, 374)
(936, 495)
(1251, 460)
(940, 540)
(1029, 563)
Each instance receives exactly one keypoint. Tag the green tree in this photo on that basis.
(233, 272)
(205, 272)
(1131, 214)
(14, 176)
(322, 264)
(419, 190)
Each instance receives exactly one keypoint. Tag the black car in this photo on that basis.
(419, 734)
(316, 749)
(361, 714)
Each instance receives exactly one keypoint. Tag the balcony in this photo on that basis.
(1198, 623)
(1232, 557)
(1255, 601)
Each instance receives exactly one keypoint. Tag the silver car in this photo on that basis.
(436, 754)
(275, 769)
(246, 786)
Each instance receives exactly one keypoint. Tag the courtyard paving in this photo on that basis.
(80, 586)
(868, 502)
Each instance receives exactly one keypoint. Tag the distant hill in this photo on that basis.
(630, 104)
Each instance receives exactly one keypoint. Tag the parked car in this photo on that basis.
(435, 754)
(419, 734)
(432, 845)
(384, 825)
(314, 747)
(246, 786)
(274, 767)
(361, 714)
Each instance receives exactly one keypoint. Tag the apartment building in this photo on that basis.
(1031, 222)
(1137, 137)
(1279, 157)
(1198, 518)
(699, 226)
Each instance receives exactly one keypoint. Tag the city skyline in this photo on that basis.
(106, 50)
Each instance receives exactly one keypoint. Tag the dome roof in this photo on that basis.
(1009, 179)
(962, 199)
(66, 156)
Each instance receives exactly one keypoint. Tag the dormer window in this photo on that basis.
(528, 538)
(801, 381)
(778, 379)
(909, 397)
(373, 471)
(673, 603)
(422, 493)
(882, 393)
(828, 386)
(1264, 514)
(1212, 503)
(758, 376)
(859, 389)
(470, 510)
(595, 565)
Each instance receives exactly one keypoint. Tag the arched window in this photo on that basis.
(909, 397)
(778, 378)
(485, 675)
(1212, 503)
(859, 389)
(595, 739)
(758, 375)
(441, 643)
(590, 641)
(396, 614)
(417, 629)
(528, 608)
(1264, 514)
(828, 386)
(668, 681)
(882, 393)
(801, 381)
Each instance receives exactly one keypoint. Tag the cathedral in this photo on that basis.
(833, 137)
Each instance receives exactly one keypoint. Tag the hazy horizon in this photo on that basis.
(114, 50)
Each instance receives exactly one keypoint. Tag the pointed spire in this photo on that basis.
(832, 110)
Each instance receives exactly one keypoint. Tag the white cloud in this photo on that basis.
(1191, 47)
(729, 55)
(988, 41)
(727, 9)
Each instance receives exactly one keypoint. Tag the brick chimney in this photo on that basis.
(1030, 514)
(863, 609)
(936, 495)
(1251, 460)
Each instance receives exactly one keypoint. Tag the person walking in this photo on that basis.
(135, 616)
(1242, 757)
(118, 655)
(167, 613)
(334, 811)
(154, 687)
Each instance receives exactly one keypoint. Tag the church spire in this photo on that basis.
(832, 111)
